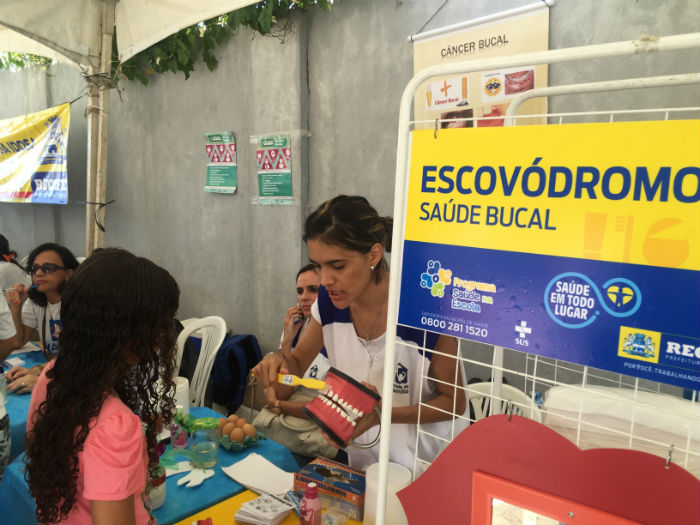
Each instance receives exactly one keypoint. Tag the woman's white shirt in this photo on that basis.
(32, 315)
(7, 330)
(364, 361)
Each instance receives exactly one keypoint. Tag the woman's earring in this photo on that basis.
(371, 267)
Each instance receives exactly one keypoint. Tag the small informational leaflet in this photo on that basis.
(33, 157)
(273, 158)
(222, 170)
(576, 242)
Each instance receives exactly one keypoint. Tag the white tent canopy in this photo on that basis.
(14, 41)
(80, 32)
(72, 29)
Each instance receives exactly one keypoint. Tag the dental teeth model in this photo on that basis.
(339, 405)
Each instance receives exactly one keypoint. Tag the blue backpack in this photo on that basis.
(237, 355)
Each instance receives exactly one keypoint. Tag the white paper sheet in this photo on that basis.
(260, 475)
(29, 347)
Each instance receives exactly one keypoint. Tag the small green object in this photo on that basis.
(205, 423)
(170, 458)
(191, 423)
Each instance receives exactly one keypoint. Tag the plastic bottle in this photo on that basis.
(310, 509)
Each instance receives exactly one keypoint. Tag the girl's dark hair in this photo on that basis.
(311, 267)
(6, 253)
(116, 309)
(68, 261)
(351, 222)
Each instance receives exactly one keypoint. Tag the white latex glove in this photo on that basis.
(195, 477)
(182, 466)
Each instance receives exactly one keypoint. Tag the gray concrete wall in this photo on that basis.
(335, 85)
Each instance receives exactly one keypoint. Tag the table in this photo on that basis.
(18, 405)
(18, 506)
(223, 512)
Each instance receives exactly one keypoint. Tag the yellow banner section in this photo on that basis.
(33, 156)
(621, 192)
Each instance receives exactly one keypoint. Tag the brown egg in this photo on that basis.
(249, 430)
(241, 422)
(237, 435)
(222, 422)
(227, 428)
(233, 417)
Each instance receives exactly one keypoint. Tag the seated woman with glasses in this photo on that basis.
(36, 309)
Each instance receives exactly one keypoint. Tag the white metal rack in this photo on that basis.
(534, 374)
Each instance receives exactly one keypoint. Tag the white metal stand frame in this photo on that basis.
(630, 47)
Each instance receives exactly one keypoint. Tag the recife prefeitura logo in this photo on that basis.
(640, 344)
(435, 278)
(573, 300)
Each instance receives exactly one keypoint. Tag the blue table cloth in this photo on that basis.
(18, 506)
(18, 406)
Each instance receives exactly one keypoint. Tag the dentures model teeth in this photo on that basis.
(336, 408)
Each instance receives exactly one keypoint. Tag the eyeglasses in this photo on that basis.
(45, 268)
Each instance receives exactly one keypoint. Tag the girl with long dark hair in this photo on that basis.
(87, 453)
(36, 309)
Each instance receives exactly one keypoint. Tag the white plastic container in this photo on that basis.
(182, 394)
(399, 478)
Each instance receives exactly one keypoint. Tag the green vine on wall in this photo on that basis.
(181, 50)
(16, 61)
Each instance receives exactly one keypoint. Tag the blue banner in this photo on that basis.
(626, 318)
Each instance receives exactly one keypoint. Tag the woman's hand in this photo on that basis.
(266, 370)
(331, 441)
(270, 396)
(23, 385)
(16, 372)
(369, 420)
(293, 321)
(366, 422)
(17, 294)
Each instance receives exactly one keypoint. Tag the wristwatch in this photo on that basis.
(276, 407)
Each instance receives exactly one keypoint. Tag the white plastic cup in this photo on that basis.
(157, 493)
(399, 478)
(204, 446)
(182, 394)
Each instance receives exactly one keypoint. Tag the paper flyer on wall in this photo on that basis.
(577, 242)
(481, 98)
(273, 158)
(222, 168)
(33, 157)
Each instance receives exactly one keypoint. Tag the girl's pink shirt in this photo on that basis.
(113, 463)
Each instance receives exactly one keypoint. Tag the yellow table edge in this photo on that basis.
(223, 512)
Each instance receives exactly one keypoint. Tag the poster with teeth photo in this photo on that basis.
(481, 98)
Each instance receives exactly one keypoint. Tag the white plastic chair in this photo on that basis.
(520, 404)
(212, 330)
(186, 322)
